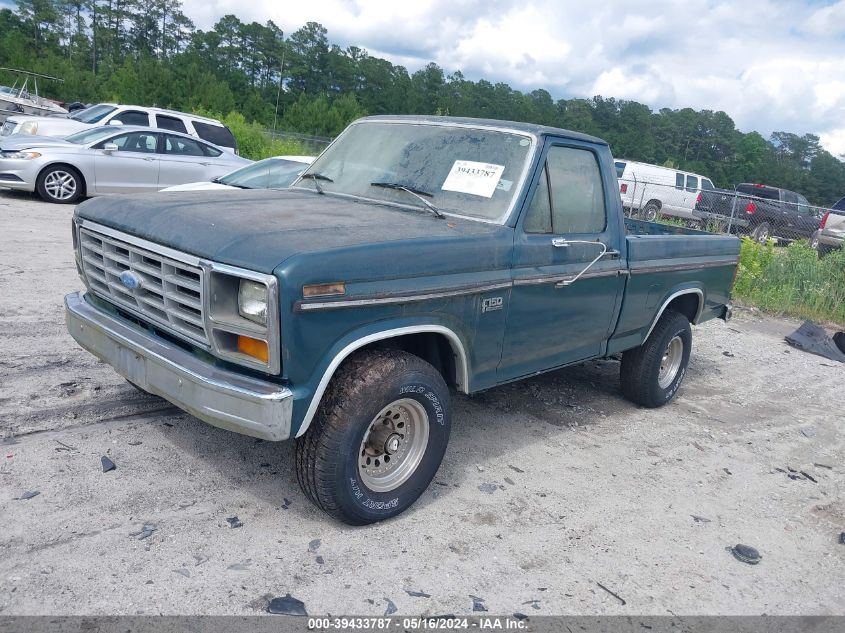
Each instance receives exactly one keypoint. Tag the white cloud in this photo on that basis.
(770, 64)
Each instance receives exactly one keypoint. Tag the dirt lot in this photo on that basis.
(587, 488)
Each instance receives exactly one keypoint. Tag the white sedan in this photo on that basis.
(109, 159)
(278, 172)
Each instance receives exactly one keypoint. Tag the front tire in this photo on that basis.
(60, 184)
(377, 439)
(652, 373)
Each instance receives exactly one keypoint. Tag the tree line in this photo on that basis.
(149, 52)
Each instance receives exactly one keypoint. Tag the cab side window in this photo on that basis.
(569, 197)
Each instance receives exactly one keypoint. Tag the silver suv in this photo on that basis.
(210, 130)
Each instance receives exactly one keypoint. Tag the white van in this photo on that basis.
(652, 190)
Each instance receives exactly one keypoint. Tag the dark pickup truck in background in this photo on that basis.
(760, 211)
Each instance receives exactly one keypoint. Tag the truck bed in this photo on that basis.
(664, 260)
(642, 227)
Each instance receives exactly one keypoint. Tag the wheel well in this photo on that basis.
(655, 202)
(432, 347)
(687, 304)
(66, 166)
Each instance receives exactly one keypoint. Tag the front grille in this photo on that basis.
(170, 293)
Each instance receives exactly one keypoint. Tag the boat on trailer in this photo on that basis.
(20, 98)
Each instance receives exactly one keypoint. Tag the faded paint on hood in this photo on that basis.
(258, 229)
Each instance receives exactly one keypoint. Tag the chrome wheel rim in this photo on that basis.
(393, 445)
(763, 236)
(670, 364)
(60, 185)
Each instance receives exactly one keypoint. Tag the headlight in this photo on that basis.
(243, 317)
(252, 301)
(22, 155)
(30, 127)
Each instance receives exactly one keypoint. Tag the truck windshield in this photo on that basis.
(465, 171)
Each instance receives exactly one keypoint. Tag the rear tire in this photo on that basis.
(762, 233)
(652, 373)
(651, 211)
(377, 439)
(60, 184)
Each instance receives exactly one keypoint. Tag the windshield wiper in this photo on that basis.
(317, 178)
(417, 193)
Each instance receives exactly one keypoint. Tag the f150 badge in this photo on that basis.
(492, 303)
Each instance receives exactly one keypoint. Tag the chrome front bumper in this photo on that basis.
(218, 396)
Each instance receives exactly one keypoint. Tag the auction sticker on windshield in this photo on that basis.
(477, 179)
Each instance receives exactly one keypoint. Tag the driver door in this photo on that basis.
(133, 168)
(552, 320)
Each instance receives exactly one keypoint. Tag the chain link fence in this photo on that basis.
(758, 211)
(310, 144)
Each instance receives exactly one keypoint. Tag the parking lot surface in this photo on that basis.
(549, 487)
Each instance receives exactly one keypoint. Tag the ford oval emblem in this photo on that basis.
(131, 280)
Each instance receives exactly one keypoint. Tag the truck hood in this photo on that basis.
(258, 229)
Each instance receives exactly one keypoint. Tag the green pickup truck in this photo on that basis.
(415, 256)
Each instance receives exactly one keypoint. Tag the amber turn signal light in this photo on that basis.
(254, 347)
(324, 290)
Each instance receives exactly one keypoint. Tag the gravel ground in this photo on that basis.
(549, 487)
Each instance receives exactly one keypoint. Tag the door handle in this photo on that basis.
(206, 164)
(559, 242)
(149, 159)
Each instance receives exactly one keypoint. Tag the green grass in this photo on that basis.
(792, 281)
(662, 219)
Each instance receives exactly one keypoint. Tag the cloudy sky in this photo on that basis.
(770, 64)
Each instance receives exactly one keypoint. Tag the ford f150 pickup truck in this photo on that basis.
(416, 255)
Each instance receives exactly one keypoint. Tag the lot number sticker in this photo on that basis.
(477, 179)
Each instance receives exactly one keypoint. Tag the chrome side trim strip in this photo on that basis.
(461, 362)
(673, 296)
(536, 281)
(678, 267)
(375, 300)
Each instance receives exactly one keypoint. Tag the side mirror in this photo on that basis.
(110, 148)
(115, 122)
